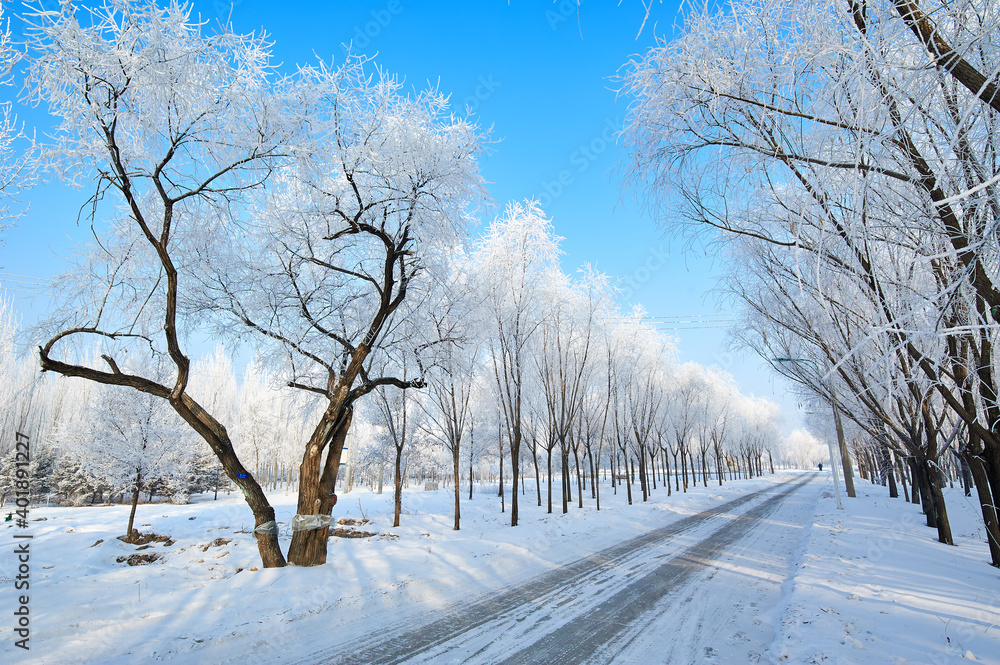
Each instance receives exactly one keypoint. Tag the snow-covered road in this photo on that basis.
(705, 588)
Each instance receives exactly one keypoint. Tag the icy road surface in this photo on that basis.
(705, 589)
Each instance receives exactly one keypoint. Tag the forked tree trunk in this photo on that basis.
(316, 485)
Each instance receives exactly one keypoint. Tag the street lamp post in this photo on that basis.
(834, 472)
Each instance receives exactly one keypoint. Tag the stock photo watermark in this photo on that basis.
(485, 87)
(656, 259)
(22, 542)
(581, 159)
(380, 20)
(224, 10)
(564, 10)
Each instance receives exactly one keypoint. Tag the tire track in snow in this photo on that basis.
(573, 583)
(601, 627)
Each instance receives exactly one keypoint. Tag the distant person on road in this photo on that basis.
(820, 466)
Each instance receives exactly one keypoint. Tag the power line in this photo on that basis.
(35, 279)
(694, 328)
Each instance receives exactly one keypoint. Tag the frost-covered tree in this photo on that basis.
(640, 361)
(328, 279)
(170, 128)
(12, 162)
(129, 440)
(808, 133)
(516, 261)
(451, 359)
(398, 414)
(564, 360)
(683, 402)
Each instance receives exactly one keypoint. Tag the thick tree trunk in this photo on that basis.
(940, 510)
(922, 480)
(845, 455)
(316, 485)
(991, 466)
(215, 434)
(978, 471)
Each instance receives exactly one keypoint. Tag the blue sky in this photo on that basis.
(541, 74)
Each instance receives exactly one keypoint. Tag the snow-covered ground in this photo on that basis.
(874, 586)
(871, 583)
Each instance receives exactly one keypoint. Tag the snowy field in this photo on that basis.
(874, 586)
(871, 585)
